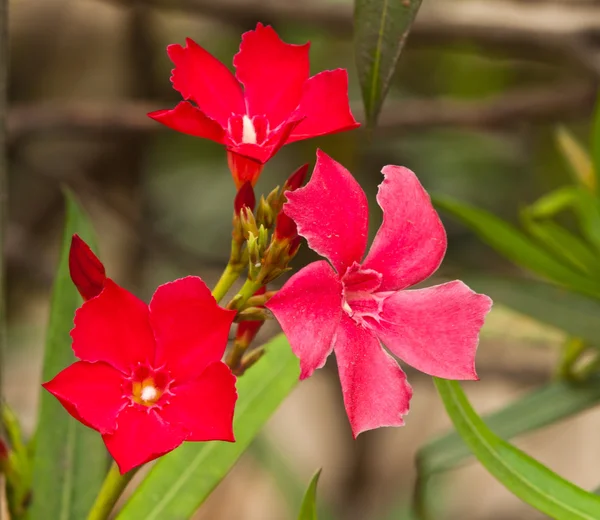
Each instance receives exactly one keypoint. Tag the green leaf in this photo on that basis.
(587, 208)
(380, 31)
(577, 158)
(546, 405)
(529, 480)
(576, 314)
(180, 481)
(554, 202)
(308, 511)
(70, 460)
(596, 140)
(517, 247)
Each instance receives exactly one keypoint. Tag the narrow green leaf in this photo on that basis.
(587, 208)
(596, 139)
(308, 511)
(381, 28)
(550, 204)
(578, 160)
(70, 460)
(180, 481)
(566, 246)
(517, 247)
(549, 404)
(529, 480)
(576, 314)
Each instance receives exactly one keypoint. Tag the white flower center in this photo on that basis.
(149, 393)
(248, 131)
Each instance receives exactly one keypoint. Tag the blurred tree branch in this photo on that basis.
(542, 104)
(566, 29)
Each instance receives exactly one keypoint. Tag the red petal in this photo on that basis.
(204, 407)
(325, 104)
(189, 120)
(308, 308)
(273, 73)
(199, 76)
(331, 212)
(245, 198)
(375, 389)
(87, 272)
(90, 392)
(191, 330)
(141, 436)
(411, 241)
(435, 330)
(114, 328)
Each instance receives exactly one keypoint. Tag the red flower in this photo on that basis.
(87, 272)
(150, 376)
(279, 102)
(353, 306)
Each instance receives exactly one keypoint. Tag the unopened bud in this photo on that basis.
(248, 360)
(87, 272)
(265, 214)
(296, 179)
(244, 198)
(248, 222)
(285, 228)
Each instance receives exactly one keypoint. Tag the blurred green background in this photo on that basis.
(472, 110)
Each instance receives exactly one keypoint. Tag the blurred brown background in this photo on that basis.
(479, 90)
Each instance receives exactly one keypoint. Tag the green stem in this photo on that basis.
(245, 293)
(228, 278)
(112, 488)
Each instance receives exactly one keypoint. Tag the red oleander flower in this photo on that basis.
(351, 305)
(150, 376)
(276, 103)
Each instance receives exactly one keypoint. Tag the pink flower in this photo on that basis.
(150, 376)
(278, 104)
(351, 306)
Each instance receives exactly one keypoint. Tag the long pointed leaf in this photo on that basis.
(180, 482)
(380, 31)
(70, 460)
(513, 244)
(308, 510)
(528, 479)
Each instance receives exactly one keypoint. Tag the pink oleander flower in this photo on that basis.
(277, 102)
(353, 306)
(150, 376)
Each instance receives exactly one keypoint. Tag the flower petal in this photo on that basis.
(308, 308)
(411, 241)
(188, 119)
(375, 389)
(331, 212)
(90, 392)
(113, 327)
(273, 73)
(199, 76)
(435, 330)
(325, 104)
(86, 270)
(204, 407)
(191, 329)
(141, 436)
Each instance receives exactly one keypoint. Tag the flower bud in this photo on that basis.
(87, 272)
(296, 179)
(285, 228)
(244, 198)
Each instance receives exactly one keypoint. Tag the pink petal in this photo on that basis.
(199, 76)
(141, 436)
(189, 120)
(411, 241)
(331, 212)
(272, 72)
(204, 407)
(325, 104)
(113, 327)
(191, 330)
(86, 270)
(308, 308)
(90, 392)
(375, 389)
(435, 330)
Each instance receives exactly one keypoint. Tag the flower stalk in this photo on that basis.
(112, 488)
